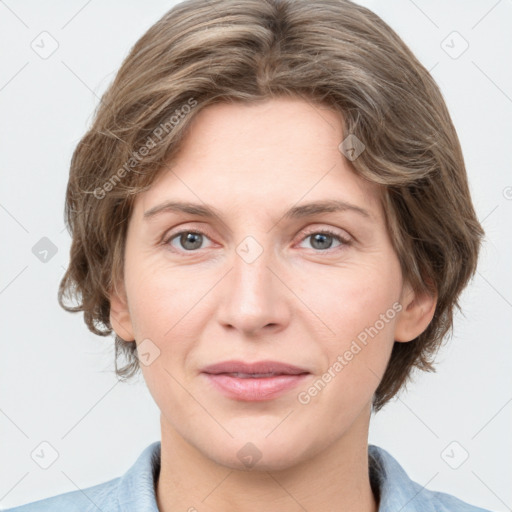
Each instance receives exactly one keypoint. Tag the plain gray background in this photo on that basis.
(56, 379)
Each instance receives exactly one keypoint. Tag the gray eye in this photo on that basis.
(321, 241)
(189, 240)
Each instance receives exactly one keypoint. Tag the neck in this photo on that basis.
(334, 479)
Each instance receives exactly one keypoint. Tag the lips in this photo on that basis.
(262, 380)
(260, 368)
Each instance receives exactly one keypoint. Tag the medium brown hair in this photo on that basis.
(330, 52)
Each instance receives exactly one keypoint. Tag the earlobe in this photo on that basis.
(120, 318)
(418, 309)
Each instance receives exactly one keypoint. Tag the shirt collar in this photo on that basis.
(136, 490)
(395, 489)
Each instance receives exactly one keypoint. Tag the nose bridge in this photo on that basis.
(254, 298)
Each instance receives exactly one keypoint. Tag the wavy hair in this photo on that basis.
(331, 52)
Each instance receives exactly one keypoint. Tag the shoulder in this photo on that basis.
(397, 491)
(102, 496)
(135, 490)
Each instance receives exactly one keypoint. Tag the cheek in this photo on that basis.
(162, 298)
(357, 359)
(165, 306)
(350, 299)
(359, 306)
(163, 311)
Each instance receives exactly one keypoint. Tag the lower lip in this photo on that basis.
(256, 389)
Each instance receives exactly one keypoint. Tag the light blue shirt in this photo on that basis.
(135, 490)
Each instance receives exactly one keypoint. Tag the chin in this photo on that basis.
(257, 453)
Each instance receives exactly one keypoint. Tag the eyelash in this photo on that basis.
(344, 241)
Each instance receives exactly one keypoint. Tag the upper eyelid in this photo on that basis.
(316, 227)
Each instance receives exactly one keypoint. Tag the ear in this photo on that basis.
(418, 309)
(120, 318)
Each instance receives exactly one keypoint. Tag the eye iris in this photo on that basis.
(321, 238)
(194, 238)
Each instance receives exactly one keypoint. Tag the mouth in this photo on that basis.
(251, 375)
(263, 380)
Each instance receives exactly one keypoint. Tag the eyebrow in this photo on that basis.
(296, 212)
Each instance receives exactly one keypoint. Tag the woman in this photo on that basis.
(271, 212)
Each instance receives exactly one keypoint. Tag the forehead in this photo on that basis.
(261, 157)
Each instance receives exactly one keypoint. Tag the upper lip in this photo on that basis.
(258, 367)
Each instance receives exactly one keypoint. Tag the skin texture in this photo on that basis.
(298, 302)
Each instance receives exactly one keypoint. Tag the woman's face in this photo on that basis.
(267, 277)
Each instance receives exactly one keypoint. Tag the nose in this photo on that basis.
(253, 298)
